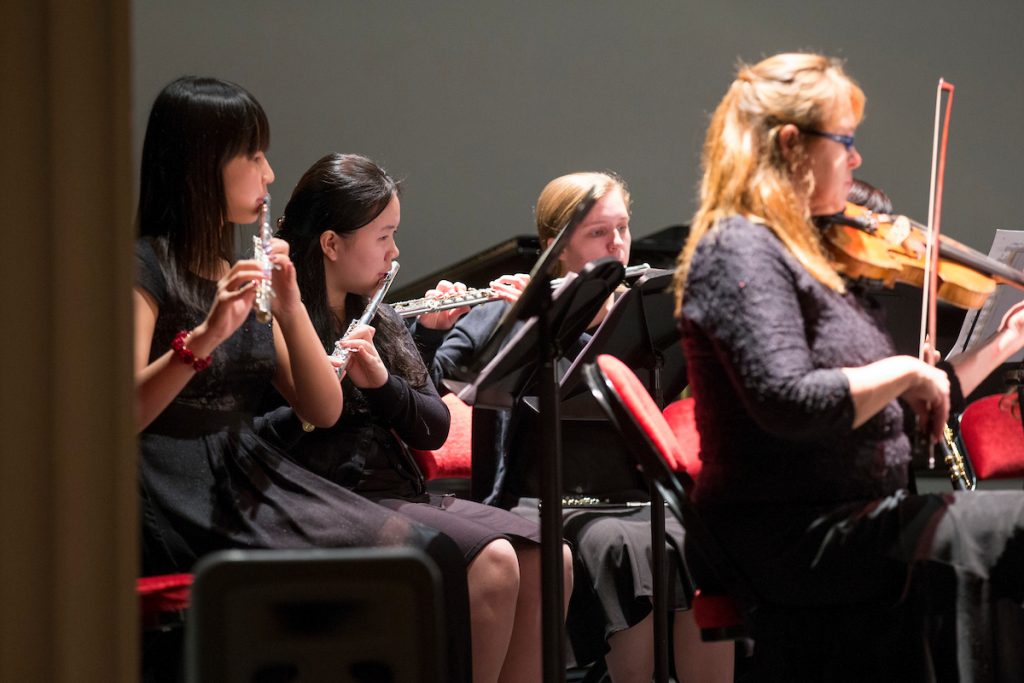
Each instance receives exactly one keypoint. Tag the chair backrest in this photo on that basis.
(993, 438)
(649, 437)
(680, 417)
(349, 615)
(454, 458)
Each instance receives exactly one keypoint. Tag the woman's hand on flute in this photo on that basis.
(510, 287)
(365, 368)
(444, 320)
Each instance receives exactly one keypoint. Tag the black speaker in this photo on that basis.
(341, 615)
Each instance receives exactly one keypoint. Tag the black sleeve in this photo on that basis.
(418, 415)
(462, 343)
(148, 274)
(957, 404)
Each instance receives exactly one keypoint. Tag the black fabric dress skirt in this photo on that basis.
(371, 462)
(613, 579)
(215, 484)
(210, 483)
(471, 525)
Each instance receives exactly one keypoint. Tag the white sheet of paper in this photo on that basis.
(1007, 247)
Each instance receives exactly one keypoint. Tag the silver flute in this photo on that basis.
(261, 254)
(473, 296)
(341, 355)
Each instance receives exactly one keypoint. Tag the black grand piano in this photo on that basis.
(659, 249)
(518, 254)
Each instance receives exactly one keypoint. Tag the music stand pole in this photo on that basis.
(552, 589)
(659, 557)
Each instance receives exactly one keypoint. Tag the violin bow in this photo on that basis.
(931, 263)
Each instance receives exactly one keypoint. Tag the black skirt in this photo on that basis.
(471, 525)
(613, 575)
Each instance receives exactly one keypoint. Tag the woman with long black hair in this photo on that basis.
(341, 221)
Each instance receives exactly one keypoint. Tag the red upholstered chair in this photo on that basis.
(665, 464)
(718, 615)
(993, 438)
(453, 459)
(163, 599)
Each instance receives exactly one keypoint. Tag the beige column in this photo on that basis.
(68, 501)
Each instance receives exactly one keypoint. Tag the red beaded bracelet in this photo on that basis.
(186, 355)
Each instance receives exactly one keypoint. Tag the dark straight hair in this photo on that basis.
(342, 193)
(195, 127)
(870, 197)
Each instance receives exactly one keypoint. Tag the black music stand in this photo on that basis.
(537, 302)
(641, 331)
(507, 379)
(529, 359)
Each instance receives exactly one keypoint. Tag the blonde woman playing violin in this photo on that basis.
(805, 462)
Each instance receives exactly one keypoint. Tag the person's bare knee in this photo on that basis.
(494, 573)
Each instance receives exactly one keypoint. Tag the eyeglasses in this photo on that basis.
(844, 140)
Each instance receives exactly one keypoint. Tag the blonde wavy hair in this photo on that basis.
(745, 172)
(559, 198)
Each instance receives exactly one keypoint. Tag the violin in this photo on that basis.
(891, 248)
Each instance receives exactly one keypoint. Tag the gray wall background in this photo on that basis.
(478, 104)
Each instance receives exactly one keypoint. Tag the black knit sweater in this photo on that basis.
(765, 342)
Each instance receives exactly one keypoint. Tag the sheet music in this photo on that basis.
(1007, 247)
